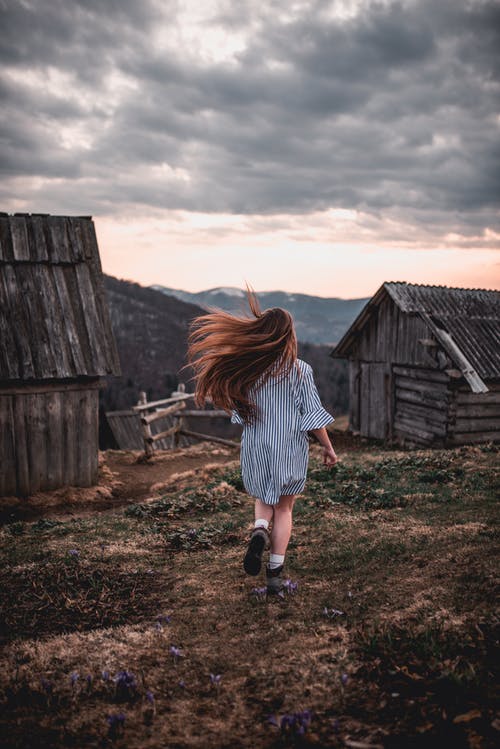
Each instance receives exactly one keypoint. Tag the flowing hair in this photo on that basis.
(230, 353)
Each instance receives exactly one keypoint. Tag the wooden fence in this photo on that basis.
(162, 425)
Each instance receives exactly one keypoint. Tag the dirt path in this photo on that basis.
(123, 479)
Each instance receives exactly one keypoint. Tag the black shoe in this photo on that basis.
(259, 541)
(274, 579)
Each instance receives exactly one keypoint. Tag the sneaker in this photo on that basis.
(274, 579)
(259, 542)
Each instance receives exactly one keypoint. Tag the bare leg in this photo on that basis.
(282, 524)
(263, 511)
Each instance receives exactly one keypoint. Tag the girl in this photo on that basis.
(249, 367)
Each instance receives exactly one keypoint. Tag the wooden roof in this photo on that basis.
(466, 322)
(54, 320)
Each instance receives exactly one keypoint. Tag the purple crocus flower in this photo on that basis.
(74, 678)
(150, 697)
(176, 652)
(116, 723)
(105, 675)
(46, 685)
(126, 685)
(215, 679)
(290, 586)
(259, 591)
(344, 679)
(74, 553)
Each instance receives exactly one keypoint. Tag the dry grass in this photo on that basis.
(388, 641)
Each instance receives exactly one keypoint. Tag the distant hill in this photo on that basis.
(151, 329)
(317, 319)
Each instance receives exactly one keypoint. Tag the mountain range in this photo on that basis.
(317, 319)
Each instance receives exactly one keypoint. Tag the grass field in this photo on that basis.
(138, 628)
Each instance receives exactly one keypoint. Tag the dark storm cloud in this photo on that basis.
(393, 109)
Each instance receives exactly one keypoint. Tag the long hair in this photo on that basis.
(230, 353)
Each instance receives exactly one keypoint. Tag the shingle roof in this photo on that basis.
(465, 321)
(54, 320)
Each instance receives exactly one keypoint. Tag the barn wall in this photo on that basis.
(48, 439)
(475, 417)
(421, 405)
(393, 336)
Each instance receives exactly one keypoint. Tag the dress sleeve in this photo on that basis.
(236, 418)
(313, 415)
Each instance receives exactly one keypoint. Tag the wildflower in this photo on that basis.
(176, 652)
(126, 685)
(116, 723)
(150, 697)
(74, 678)
(182, 684)
(164, 619)
(46, 685)
(215, 679)
(89, 681)
(105, 675)
(332, 613)
(295, 723)
(259, 592)
(344, 679)
(290, 586)
(74, 553)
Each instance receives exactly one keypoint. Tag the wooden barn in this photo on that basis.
(424, 365)
(56, 344)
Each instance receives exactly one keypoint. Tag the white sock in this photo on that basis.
(261, 523)
(275, 561)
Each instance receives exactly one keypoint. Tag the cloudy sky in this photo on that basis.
(317, 146)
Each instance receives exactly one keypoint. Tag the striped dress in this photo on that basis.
(275, 449)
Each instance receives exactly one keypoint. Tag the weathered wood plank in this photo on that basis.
(420, 373)
(420, 385)
(476, 425)
(422, 411)
(97, 343)
(21, 446)
(36, 408)
(36, 239)
(460, 438)
(20, 325)
(154, 404)
(493, 396)
(207, 437)
(478, 410)
(74, 343)
(55, 446)
(364, 400)
(8, 478)
(435, 400)
(75, 238)
(7, 388)
(8, 348)
(174, 408)
(60, 250)
(41, 337)
(54, 324)
(19, 235)
(166, 433)
(215, 414)
(73, 440)
(409, 428)
(6, 249)
(420, 423)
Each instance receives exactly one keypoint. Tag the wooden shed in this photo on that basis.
(56, 345)
(424, 365)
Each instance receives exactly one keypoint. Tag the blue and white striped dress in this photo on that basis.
(275, 449)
